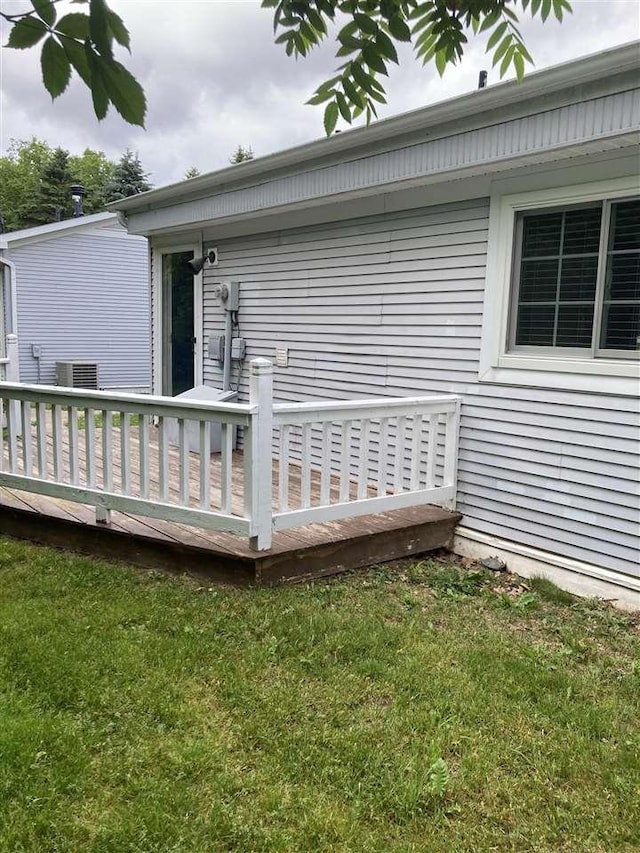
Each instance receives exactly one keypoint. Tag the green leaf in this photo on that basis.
(56, 69)
(399, 29)
(506, 62)
(120, 32)
(518, 64)
(496, 35)
(78, 58)
(441, 62)
(75, 24)
(362, 78)
(97, 85)
(46, 10)
(317, 21)
(99, 29)
(124, 92)
(386, 46)
(26, 32)
(502, 48)
(330, 118)
(373, 59)
(343, 106)
(546, 9)
(366, 24)
(321, 97)
(352, 93)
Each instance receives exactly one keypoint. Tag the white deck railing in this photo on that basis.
(335, 459)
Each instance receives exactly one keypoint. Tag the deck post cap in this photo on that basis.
(259, 366)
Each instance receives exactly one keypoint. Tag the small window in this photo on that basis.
(577, 280)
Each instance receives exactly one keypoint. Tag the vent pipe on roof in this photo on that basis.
(77, 191)
(482, 80)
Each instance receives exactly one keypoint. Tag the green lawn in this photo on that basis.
(425, 708)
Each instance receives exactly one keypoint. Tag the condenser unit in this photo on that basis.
(77, 374)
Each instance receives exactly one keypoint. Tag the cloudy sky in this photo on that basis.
(214, 79)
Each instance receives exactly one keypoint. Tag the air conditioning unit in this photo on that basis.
(77, 374)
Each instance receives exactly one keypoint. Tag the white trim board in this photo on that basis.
(582, 579)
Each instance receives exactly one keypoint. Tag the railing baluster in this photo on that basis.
(283, 468)
(205, 463)
(2, 427)
(432, 452)
(143, 452)
(72, 422)
(107, 451)
(416, 442)
(345, 462)
(183, 450)
(305, 462)
(363, 458)
(226, 467)
(56, 417)
(163, 452)
(41, 439)
(90, 446)
(12, 436)
(383, 448)
(125, 453)
(398, 470)
(325, 465)
(27, 448)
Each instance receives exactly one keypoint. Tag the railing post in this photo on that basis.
(259, 455)
(12, 373)
(451, 441)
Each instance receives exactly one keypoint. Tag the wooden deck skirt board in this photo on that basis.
(303, 553)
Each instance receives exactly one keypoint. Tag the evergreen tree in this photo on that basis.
(93, 171)
(129, 178)
(241, 155)
(52, 200)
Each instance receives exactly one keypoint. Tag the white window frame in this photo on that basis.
(555, 370)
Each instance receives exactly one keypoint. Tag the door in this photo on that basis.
(178, 302)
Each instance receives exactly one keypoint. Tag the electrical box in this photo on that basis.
(216, 348)
(228, 294)
(238, 349)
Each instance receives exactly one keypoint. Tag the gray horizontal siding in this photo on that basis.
(534, 136)
(85, 297)
(392, 305)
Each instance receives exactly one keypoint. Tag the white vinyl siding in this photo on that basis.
(392, 305)
(84, 296)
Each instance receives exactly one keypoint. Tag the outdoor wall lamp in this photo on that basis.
(197, 264)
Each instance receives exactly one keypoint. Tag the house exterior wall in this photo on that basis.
(392, 305)
(85, 296)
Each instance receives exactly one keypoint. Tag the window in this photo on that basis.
(576, 281)
(562, 291)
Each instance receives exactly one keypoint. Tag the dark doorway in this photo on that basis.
(179, 338)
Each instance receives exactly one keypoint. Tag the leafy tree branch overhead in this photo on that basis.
(367, 35)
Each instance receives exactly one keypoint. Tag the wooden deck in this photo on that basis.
(304, 552)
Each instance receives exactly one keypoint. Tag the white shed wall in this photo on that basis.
(84, 296)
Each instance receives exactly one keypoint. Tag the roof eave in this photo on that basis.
(570, 74)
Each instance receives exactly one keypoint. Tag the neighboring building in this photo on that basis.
(488, 246)
(82, 288)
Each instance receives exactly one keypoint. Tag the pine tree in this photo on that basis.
(241, 155)
(129, 178)
(52, 199)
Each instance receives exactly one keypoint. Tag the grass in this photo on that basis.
(426, 707)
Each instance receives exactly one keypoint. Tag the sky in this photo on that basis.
(214, 79)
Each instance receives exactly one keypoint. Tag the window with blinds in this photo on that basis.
(577, 280)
